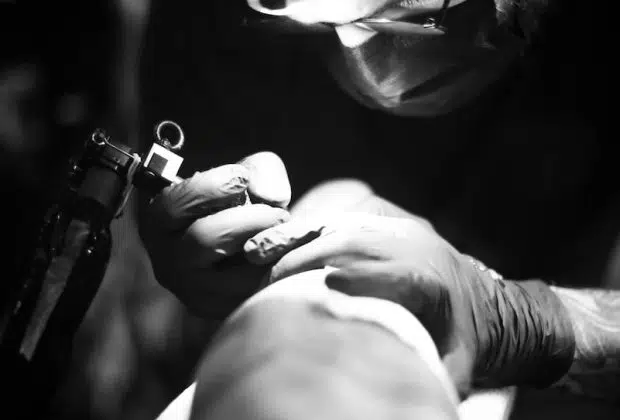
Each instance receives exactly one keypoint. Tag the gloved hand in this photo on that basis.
(488, 330)
(196, 229)
(345, 195)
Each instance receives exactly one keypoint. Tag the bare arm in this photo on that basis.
(595, 315)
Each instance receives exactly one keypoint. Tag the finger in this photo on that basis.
(202, 194)
(368, 279)
(418, 290)
(268, 179)
(401, 282)
(337, 249)
(271, 244)
(224, 233)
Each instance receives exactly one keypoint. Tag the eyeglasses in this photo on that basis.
(403, 21)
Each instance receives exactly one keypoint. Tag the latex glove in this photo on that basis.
(487, 330)
(345, 195)
(196, 229)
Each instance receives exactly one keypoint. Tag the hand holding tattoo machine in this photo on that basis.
(70, 259)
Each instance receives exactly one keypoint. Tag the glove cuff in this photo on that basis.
(532, 343)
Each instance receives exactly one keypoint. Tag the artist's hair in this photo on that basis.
(522, 16)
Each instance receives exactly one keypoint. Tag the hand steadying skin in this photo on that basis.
(485, 327)
(405, 261)
(367, 245)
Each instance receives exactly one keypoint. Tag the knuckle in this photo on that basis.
(223, 175)
(282, 216)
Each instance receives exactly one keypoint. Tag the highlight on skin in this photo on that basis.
(308, 364)
(595, 315)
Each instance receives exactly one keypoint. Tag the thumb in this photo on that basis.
(268, 179)
(398, 282)
(365, 279)
(420, 293)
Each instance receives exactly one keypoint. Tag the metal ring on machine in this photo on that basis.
(164, 141)
(99, 137)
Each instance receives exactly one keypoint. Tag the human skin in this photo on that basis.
(291, 360)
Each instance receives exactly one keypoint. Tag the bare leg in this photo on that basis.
(293, 360)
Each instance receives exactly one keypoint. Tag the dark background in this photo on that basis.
(525, 178)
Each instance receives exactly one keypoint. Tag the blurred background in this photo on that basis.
(526, 180)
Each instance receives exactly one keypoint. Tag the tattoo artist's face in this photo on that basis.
(428, 76)
(405, 73)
